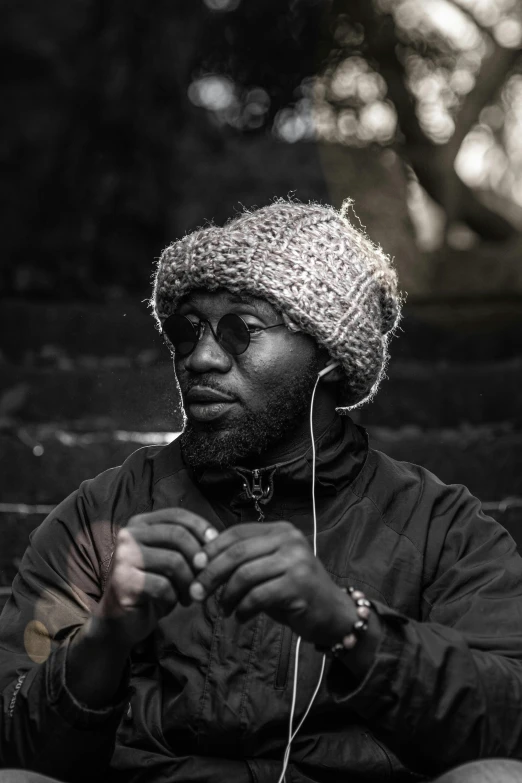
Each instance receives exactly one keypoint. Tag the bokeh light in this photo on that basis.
(213, 92)
(37, 641)
(445, 45)
(222, 5)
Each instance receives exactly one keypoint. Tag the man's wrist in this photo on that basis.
(96, 665)
(107, 633)
(358, 632)
(360, 658)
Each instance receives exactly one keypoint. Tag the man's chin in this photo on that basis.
(203, 446)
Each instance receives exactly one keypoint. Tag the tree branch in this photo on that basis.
(487, 85)
(433, 164)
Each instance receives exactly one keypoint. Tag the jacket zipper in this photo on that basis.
(258, 493)
(257, 488)
(284, 658)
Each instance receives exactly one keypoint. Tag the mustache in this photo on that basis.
(203, 382)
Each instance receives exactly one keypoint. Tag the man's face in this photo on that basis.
(238, 407)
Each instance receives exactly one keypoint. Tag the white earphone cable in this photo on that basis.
(291, 733)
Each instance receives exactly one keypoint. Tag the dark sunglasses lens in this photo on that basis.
(233, 334)
(181, 334)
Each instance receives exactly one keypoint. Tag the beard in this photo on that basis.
(253, 432)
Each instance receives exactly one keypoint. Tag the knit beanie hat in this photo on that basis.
(322, 274)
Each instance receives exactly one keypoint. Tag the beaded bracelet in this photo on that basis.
(349, 641)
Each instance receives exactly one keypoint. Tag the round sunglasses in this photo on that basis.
(232, 333)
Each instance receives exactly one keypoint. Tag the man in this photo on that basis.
(160, 611)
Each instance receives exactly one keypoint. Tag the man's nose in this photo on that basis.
(208, 355)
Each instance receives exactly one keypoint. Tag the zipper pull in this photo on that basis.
(256, 493)
(257, 489)
(253, 486)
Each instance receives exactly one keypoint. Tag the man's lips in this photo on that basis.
(204, 404)
(200, 395)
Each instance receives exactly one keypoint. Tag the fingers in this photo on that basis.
(238, 545)
(133, 589)
(160, 590)
(250, 530)
(261, 598)
(223, 565)
(171, 565)
(134, 563)
(200, 528)
(171, 538)
(175, 529)
(168, 543)
(180, 545)
(249, 576)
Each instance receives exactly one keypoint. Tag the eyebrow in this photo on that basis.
(242, 298)
(247, 299)
(235, 298)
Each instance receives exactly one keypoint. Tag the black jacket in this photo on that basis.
(208, 699)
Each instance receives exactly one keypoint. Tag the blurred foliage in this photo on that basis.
(114, 104)
(441, 81)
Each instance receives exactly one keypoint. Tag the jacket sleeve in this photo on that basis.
(448, 689)
(61, 577)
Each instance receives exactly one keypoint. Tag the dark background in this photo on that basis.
(128, 123)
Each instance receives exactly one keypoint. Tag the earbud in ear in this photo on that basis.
(328, 368)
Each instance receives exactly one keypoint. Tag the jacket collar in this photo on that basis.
(341, 451)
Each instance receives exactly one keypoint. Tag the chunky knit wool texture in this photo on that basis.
(321, 272)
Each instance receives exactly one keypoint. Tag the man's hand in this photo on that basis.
(152, 570)
(270, 567)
